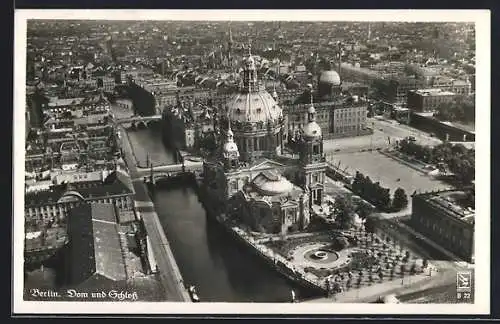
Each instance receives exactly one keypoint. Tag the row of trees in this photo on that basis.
(459, 109)
(345, 211)
(456, 157)
(378, 195)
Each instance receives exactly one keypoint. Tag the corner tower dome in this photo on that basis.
(311, 129)
(230, 149)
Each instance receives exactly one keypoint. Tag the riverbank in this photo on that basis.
(348, 261)
(169, 273)
(254, 246)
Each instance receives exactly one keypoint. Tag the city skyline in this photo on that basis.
(325, 107)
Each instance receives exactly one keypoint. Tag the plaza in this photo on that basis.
(389, 172)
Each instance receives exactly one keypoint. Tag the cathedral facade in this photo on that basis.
(249, 179)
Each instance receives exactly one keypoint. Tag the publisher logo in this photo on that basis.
(464, 283)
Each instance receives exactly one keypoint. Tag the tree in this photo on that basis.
(363, 210)
(400, 199)
(348, 283)
(340, 243)
(413, 269)
(370, 225)
(466, 171)
(444, 111)
(384, 198)
(344, 211)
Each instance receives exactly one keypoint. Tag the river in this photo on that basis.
(220, 268)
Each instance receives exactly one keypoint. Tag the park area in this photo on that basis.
(389, 172)
(349, 259)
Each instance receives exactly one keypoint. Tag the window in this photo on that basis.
(315, 178)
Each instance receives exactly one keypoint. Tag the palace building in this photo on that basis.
(338, 115)
(248, 178)
(53, 204)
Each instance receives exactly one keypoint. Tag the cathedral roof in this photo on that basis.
(253, 107)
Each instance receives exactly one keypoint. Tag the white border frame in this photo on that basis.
(481, 18)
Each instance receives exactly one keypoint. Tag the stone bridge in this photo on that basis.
(167, 171)
(137, 121)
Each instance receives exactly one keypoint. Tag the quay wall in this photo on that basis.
(277, 262)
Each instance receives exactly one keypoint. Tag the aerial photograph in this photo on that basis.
(249, 161)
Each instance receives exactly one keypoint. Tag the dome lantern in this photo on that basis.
(250, 83)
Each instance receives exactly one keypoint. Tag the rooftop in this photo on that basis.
(117, 183)
(432, 92)
(106, 250)
(455, 202)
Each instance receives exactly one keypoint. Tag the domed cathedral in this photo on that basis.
(255, 116)
(248, 179)
(256, 195)
(312, 160)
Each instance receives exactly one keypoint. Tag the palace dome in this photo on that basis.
(330, 77)
(253, 107)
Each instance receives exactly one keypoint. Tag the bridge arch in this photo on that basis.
(142, 124)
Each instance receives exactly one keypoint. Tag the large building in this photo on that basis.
(96, 259)
(52, 205)
(428, 100)
(248, 179)
(337, 115)
(395, 89)
(457, 86)
(187, 126)
(447, 218)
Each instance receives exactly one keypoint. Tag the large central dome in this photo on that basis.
(253, 107)
(255, 117)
